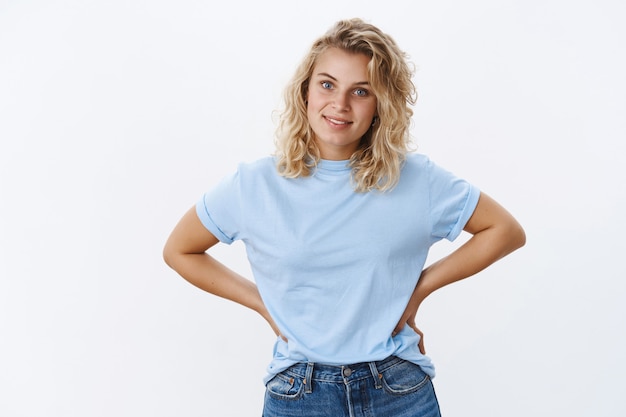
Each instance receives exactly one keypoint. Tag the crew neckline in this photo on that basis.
(329, 165)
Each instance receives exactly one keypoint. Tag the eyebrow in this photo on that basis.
(324, 74)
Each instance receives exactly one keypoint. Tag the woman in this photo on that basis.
(337, 226)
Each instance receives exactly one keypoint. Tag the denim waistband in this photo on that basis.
(341, 373)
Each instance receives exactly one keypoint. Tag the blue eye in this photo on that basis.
(326, 85)
(361, 92)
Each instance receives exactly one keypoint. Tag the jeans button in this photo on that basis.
(347, 372)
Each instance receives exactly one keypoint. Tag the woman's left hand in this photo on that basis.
(495, 234)
(408, 318)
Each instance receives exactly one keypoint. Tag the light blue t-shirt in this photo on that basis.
(336, 268)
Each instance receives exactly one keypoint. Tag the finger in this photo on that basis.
(420, 345)
(398, 327)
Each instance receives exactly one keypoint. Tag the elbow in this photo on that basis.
(521, 238)
(517, 236)
(169, 256)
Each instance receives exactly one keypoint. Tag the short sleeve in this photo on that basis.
(219, 209)
(452, 202)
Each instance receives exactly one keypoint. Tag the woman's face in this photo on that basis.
(340, 107)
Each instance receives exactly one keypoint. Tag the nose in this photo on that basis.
(341, 102)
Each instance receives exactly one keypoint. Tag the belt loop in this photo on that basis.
(377, 376)
(308, 378)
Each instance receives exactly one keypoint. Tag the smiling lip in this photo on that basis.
(337, 122)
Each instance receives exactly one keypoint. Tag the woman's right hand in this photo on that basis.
(186, 253)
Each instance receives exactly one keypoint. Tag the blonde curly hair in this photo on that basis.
(377, 162)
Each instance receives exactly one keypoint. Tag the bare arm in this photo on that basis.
(495, 234)
(185, 252)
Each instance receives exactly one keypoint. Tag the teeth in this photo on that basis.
(337, 122)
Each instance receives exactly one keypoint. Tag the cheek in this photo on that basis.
(310, 106)
(368, 110)
(313, 100)
(314, 107)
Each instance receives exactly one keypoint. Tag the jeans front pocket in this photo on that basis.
(404, 378)
(285, 387)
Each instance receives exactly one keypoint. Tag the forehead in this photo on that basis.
(342, 65)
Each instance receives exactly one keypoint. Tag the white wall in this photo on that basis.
(116, 116)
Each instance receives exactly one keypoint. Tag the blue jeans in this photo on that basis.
(389, 388)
